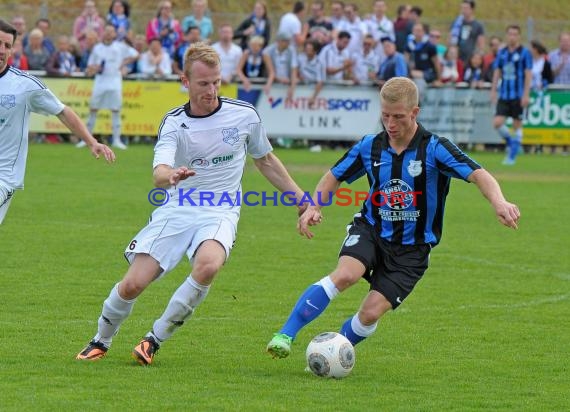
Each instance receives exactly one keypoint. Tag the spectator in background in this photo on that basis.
(19, 24)
(118, 16)
(489, 58)
(230, 53)
(355, 26)
(451, 66)
(311, 69)
(108, 63)
(258, 24)
(62, 62)
(155, 62)
(380, 26)
(89, 20)
(200, 19)
(35, 51)
(291, 24)
(337, 14)
(414, 17)
(17, 58)
(140, 45)
(473, 74)
(44, 25)
(191, 36)
(165, 28)
(560, 60)
(394, 65)
(511, 85)
(466, 32)
(423, 60)
(401, 27)
(337, 59)
(435, 39)
(285, 62)
(366, 62)
(254, 64)
(541, 69)
(316, 21)
(91, 39)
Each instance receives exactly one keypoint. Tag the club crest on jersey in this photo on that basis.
(8, 101)
(352, 240)
(415, 168)
(231, 135)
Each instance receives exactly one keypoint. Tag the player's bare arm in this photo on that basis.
(313, 216)
(72, 121)
(507, 213)
(271, 167)
(165, 176)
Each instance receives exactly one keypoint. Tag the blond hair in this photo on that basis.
(400, 90)
(201, 52)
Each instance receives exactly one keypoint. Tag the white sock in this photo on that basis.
(116, 126)
(328, 285)
(115, 311)
(182, 304)
(360, 329)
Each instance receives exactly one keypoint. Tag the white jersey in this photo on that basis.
(110, 57)
(20, 94)
(290, 25)
(229, 59)
(357, 29)
(215, 146)
(333, 58)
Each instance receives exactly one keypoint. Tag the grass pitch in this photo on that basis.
(486, 329)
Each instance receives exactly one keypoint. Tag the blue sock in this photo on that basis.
(355, 331)
(309, 306)
(504, 133)
(350, 334)
(515, 144)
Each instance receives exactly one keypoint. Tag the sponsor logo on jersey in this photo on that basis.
(223, 159)
(199, 162)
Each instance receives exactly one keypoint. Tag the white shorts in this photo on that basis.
(168, 236)
(106, 99)
(6, 194)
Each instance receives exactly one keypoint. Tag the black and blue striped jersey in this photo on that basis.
(513, 64)
(407, 193)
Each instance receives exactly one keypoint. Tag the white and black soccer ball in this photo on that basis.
(330, 355)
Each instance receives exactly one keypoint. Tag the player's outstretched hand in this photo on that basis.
(508, 214)
(181, 173)
(311, 217)
(99, 149)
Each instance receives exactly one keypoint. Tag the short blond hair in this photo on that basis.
(201, 52)
(400, 90)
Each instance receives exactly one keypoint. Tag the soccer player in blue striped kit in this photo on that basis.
(389, 240)
(513, 67)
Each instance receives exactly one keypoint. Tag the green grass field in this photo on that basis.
(486, 329)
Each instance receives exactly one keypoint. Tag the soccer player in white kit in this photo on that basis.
(202, 145)
(21, 94)
(107, 62)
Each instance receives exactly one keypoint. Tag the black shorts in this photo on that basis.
(391, 269)
(510, 108)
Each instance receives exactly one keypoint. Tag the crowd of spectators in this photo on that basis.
(310, 46)
(347, 45)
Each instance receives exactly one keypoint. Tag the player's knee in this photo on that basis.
(369, 315)
(344, 278)
(204, 272)
(131, 287)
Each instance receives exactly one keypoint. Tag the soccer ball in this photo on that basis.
(330, 355)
